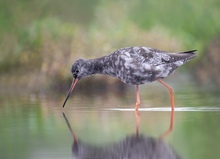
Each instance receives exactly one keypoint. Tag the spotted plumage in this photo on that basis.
(132, 65)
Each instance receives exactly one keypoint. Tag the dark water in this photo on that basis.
(106, 125)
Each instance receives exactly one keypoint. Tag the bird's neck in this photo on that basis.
(102, 66)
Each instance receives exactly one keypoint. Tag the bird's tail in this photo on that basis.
(187, 55)
(182, 56)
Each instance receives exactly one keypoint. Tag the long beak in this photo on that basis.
(70, 90)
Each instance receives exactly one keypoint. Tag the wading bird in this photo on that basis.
(134, 66)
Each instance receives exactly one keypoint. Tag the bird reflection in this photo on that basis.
(136, 146)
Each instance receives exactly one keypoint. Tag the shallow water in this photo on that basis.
(34, 126)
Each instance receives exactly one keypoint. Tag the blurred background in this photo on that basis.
(39, 40)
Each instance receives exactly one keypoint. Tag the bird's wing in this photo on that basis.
(158, 57)
(153, 57)
(149, 55)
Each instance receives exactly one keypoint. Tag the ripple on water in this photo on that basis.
(179, 109)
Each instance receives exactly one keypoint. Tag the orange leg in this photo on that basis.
(138, 101)
(171, 93)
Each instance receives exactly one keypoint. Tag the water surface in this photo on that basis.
(35, 126)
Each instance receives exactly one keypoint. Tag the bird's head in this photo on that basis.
(81, 68)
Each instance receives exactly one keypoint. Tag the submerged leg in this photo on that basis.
(171, 93)
(138, 98)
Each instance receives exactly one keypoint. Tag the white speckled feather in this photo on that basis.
(134, 65)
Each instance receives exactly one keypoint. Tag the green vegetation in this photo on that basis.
(194, 22)
(44, 38)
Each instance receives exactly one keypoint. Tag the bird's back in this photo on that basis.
(152, 56)
(139, 65)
